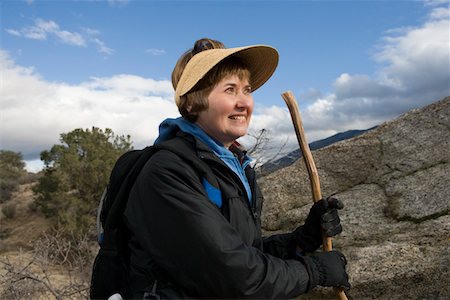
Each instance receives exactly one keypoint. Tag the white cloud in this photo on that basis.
(435, 2)
(44, 29)
(156, 52)
(101, 47)
(13, 32)
(33, 117)
(46, 26)
(70, 38)
(91, 31)
(416, 59)
(360, 85)
(118, 2)
(439, 13)
(130, 85)
(92, 35)
(34, 32)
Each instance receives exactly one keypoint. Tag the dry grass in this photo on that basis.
(26, 226)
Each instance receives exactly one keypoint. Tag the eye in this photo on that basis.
(230, 90)
(248, 90)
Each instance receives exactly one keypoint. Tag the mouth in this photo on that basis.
(238, 117)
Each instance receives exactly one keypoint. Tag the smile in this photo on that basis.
(237, 117)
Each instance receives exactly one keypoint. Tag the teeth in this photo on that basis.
(237, 117)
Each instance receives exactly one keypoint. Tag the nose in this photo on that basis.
(244, 100)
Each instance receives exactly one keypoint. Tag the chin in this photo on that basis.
(236, 136)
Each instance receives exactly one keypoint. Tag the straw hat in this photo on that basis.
(261, 60)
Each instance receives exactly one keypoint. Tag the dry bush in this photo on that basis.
(7, 187)
(58, 267)
(4, 233)
(29, 178)
(9, 210)
(61, 249)
(19, 278)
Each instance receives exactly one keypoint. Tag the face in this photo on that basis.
(229, 112)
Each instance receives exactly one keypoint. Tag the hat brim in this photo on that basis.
(261, 61)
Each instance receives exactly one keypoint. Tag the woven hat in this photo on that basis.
(261, 60)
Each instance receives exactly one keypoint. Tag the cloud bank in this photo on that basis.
(34, 111)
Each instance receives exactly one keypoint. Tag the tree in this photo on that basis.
(11, 170)
(262, 150)
(75, 175)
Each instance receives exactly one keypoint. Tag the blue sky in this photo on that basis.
(351, 64)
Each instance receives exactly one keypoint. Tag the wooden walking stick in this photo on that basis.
(292, 105)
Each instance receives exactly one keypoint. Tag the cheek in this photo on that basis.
(224, 110)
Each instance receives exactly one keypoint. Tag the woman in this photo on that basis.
(192, 239)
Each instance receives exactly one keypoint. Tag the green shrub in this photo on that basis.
(11, 172)
(75, 174)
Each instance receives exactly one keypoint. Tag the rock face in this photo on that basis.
(291, 157)
(395, 183)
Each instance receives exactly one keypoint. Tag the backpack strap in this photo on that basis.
(134, 162)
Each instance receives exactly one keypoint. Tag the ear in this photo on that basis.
(189, 108)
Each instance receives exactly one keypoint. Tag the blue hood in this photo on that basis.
(169, 128)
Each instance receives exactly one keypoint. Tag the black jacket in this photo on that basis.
(194, 248)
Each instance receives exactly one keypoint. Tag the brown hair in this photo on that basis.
(196, 100)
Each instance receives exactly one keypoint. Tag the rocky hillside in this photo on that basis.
(395, 183)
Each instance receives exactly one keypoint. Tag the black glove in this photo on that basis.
(326, 269)
(323, 219)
